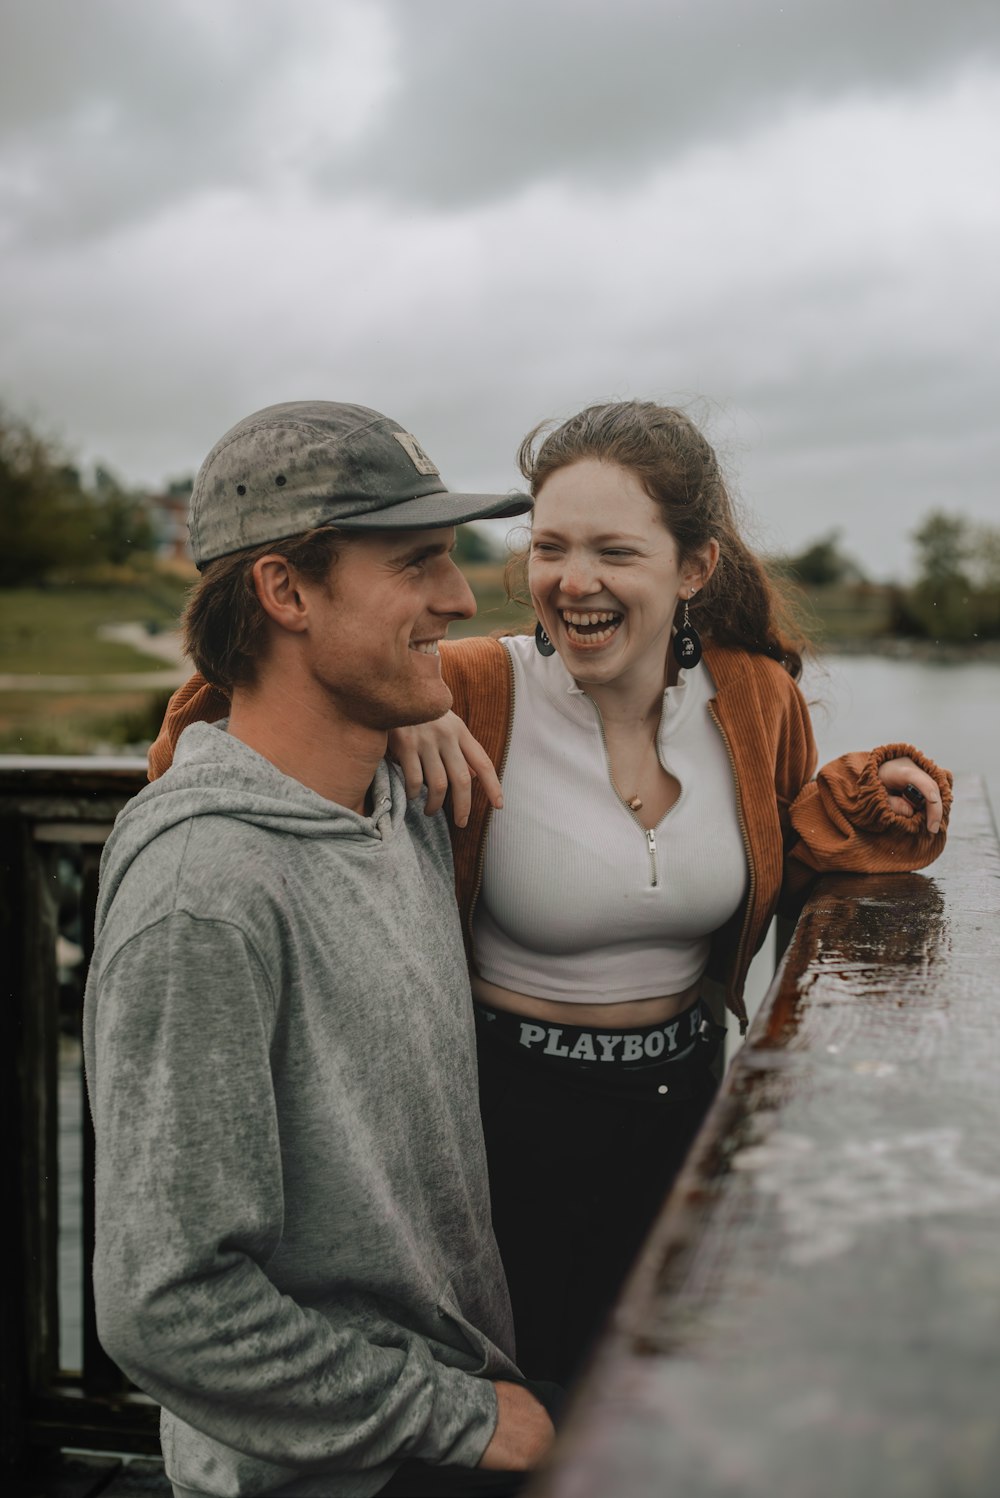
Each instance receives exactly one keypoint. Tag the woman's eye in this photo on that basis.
(617, 553)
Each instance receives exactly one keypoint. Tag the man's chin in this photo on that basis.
(429, 711)
(422, 708)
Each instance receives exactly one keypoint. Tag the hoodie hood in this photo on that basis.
(214, 774)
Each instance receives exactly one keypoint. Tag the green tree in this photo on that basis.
(122, 523)
(943, 602)
(822, 564)
(984, 566)
(45, 514)
(472, 546)
(944, 545)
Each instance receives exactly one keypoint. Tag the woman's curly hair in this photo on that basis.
(740, 604)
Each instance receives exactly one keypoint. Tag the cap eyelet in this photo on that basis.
(241, 488)
(280, 480)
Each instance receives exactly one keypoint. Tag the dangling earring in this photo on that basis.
(687, 641)
(543, 644)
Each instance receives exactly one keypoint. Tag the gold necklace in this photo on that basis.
(634, 803)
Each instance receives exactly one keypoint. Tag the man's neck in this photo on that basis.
(303, 735)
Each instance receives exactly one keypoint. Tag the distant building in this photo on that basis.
(169, 515)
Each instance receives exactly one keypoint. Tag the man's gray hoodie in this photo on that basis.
(294, 1251)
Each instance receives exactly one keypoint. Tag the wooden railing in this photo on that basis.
(816, 1311)
(54, 818)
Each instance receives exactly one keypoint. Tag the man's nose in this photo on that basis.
(456, 596)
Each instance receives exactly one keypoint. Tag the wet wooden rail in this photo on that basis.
(817, 1312)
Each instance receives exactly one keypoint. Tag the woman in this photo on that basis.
(657, 803)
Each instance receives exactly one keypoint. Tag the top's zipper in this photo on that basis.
(651, 847)
(648, 833)
(746, 843)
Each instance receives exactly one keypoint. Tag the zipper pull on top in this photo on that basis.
(651, 845)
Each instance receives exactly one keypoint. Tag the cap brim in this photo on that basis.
(429, 511)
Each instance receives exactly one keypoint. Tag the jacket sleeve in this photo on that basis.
(842, 822)
(194, 702)
(190, 1212)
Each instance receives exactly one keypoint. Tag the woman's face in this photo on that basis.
(605, 575)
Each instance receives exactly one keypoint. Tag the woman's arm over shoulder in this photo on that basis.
(195, 702)
(451, 753)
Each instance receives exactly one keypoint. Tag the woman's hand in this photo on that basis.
(899, 775)
(444, 756)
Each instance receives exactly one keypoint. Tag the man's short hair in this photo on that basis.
(224, 621)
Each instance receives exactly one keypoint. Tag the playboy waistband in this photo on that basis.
(689, 1035)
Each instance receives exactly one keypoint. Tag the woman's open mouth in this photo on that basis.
(593, 627)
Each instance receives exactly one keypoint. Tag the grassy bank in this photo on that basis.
(79, 722)
(53, 631)
(494, 609)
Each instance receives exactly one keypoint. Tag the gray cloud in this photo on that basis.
(474, 216)
(110, 111)
(491, 98)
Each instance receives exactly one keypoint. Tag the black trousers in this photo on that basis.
(581, 1159)
(418, 1480)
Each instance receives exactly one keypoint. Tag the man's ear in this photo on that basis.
(276, 585)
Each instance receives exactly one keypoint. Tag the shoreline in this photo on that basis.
(903, 648)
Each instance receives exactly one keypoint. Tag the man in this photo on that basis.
(294, 1252)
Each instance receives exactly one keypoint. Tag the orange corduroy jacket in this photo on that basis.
(796, 822)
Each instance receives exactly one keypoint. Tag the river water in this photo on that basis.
(950, 711)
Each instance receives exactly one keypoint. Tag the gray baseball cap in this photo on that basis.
(290, 468)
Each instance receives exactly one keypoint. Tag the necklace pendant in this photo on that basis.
(635, 804)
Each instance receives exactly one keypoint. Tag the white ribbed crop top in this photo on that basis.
(577, 901)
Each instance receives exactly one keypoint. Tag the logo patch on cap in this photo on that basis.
(416, 454)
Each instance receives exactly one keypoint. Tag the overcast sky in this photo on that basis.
(473, 214)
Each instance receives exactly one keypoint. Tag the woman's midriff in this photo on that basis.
(631, 1014)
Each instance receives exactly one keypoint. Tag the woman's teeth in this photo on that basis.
(593, 627)
(424, 647)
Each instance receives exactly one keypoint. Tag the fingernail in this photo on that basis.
(461, 821)
(498, 803)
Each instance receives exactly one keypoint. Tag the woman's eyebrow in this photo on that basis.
(614, 538)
